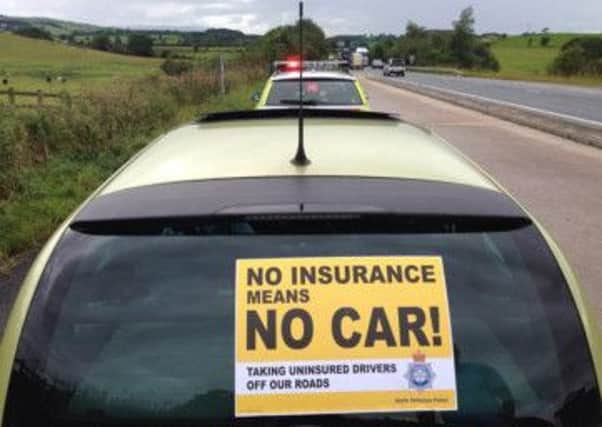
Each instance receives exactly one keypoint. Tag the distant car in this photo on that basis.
(203, 271)
(395, 67)
(378, 63)
(321, 89)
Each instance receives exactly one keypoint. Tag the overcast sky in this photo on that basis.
(335, 16)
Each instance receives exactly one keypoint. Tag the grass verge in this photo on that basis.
(45, 192)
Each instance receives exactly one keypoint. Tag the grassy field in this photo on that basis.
(26, 62)
(520, 62)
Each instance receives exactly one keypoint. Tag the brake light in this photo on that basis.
(293, 63)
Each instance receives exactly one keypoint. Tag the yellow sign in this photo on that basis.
(344, 334)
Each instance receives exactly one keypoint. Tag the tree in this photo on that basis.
(101, 42)
(415, 31)
(283, 41)
(33, 33)
(545, 37)
(377, 51)
(118, 45)
(463, 38)
(314, 40)
(140, 44)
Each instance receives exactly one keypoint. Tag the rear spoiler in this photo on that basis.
(279, 113)
(302, 198)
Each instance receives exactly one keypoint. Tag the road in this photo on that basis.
(557, 180)
(579, 102)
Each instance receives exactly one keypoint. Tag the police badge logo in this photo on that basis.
(420, 375)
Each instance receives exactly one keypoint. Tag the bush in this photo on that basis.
(582, 55)
(140, 44)
(569, 62)
(173, 67)
(592, 46)
(99, 120)
(485, 59)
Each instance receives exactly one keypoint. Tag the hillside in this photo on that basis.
(56, 27)
(27, 62)
(520, 61)
(163, 35)
(516, 56)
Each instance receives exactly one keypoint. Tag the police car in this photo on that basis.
(324, 86)
(252, 269)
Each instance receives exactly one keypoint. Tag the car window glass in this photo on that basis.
(139, 327)
(320, 92)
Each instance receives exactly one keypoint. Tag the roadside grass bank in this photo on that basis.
(437, 70)
(584, 81)
(51, 159)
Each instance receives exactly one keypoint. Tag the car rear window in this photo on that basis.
(330, 92)
(138, 328)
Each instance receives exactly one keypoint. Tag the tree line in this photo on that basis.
(459, 47)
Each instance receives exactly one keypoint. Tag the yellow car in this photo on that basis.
(321, 89)
(379, 279)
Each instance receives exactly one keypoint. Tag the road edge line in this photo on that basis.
(573, 128)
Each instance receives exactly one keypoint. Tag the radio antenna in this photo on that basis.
(300, 158)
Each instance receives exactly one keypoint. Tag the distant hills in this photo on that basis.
(62, 29)
(56, 27)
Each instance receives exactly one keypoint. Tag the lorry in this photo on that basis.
(357, 61)
(365, 57)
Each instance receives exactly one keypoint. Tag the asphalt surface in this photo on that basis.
(579, 102)
(557, 180)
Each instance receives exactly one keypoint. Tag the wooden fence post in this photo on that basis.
(222, 75)
(11, 95)
(40, 97)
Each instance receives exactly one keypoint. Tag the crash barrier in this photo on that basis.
(580, 130)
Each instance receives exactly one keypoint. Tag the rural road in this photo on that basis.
(557, 180)
(579, 102)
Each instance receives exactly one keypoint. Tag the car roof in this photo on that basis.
(331, 75)
(342, 144)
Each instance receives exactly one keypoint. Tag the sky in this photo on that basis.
(335, 16)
